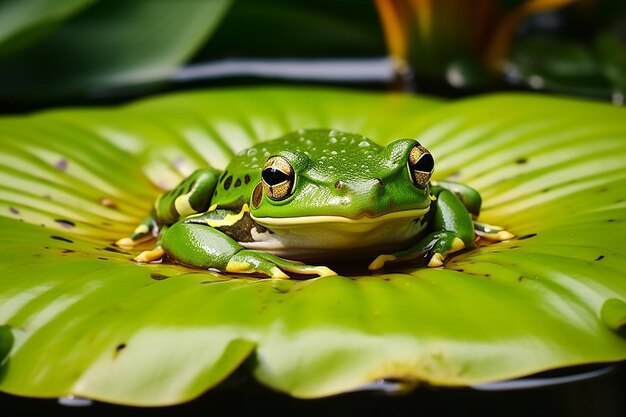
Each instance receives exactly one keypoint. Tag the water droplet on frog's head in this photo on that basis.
(255, 159)
(332, 133)
(301, 138)
(241, 152)
(332, 140)
(252, 151)
(333, 153)
(344, 139)
(266, 154)
(308, 142)
(364, 144)
(343, 151)
(301, 131)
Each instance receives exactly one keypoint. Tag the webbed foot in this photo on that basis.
(251, 262)
(434, 248)
(491, 232)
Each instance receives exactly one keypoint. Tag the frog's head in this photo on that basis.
(324, 176)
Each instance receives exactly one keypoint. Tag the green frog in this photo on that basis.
(314, 196)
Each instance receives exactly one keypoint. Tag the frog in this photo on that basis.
(290, 206)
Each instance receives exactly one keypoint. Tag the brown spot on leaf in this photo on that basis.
(61, 165)
(63, 239)
(65, 223)
(158, 277)
(107, 202)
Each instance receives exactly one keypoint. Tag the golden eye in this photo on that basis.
(278, 178)
(420, 165)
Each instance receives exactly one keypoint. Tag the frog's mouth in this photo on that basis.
(332, 237)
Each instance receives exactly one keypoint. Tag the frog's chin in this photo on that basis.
(336, 237)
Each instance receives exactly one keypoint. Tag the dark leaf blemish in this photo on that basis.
(65, 223)
(112, 249)
(514, 247)
(521, 161)
(520, 278)
(13, 210)
(528, 236)
(599, 258)
(119, 348)
(61, 165)
(158, 277)
(63, 239)
(67, 251)
(103, 259)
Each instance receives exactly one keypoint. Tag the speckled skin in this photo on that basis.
(337, 174)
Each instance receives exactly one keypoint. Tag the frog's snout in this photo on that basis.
(372, 186)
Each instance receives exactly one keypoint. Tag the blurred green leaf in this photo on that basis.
(6, 342)
(115, 44)
(306, 28)
(612, 51)
(25, 21)
(91, 322)
(559, 66)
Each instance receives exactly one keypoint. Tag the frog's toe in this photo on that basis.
(126, 243)
(436, 260)
(380, 261)
(491, 232)
(320, 271)
(150, 255)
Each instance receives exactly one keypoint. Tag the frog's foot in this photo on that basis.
(491, 232)
(145, 231)
(150, 255)
(251, 262)
(434, 248)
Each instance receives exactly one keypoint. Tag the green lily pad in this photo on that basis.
(86, 320)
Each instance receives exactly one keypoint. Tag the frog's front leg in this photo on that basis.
(192, 195)
(451, 230)
(472, 201)
(192, 243)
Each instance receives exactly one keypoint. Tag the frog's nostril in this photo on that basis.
(339, 185)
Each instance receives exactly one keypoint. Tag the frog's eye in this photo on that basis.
(278, 178)
(421, 165)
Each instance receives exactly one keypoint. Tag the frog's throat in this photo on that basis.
(322, 238)
(279, 222)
